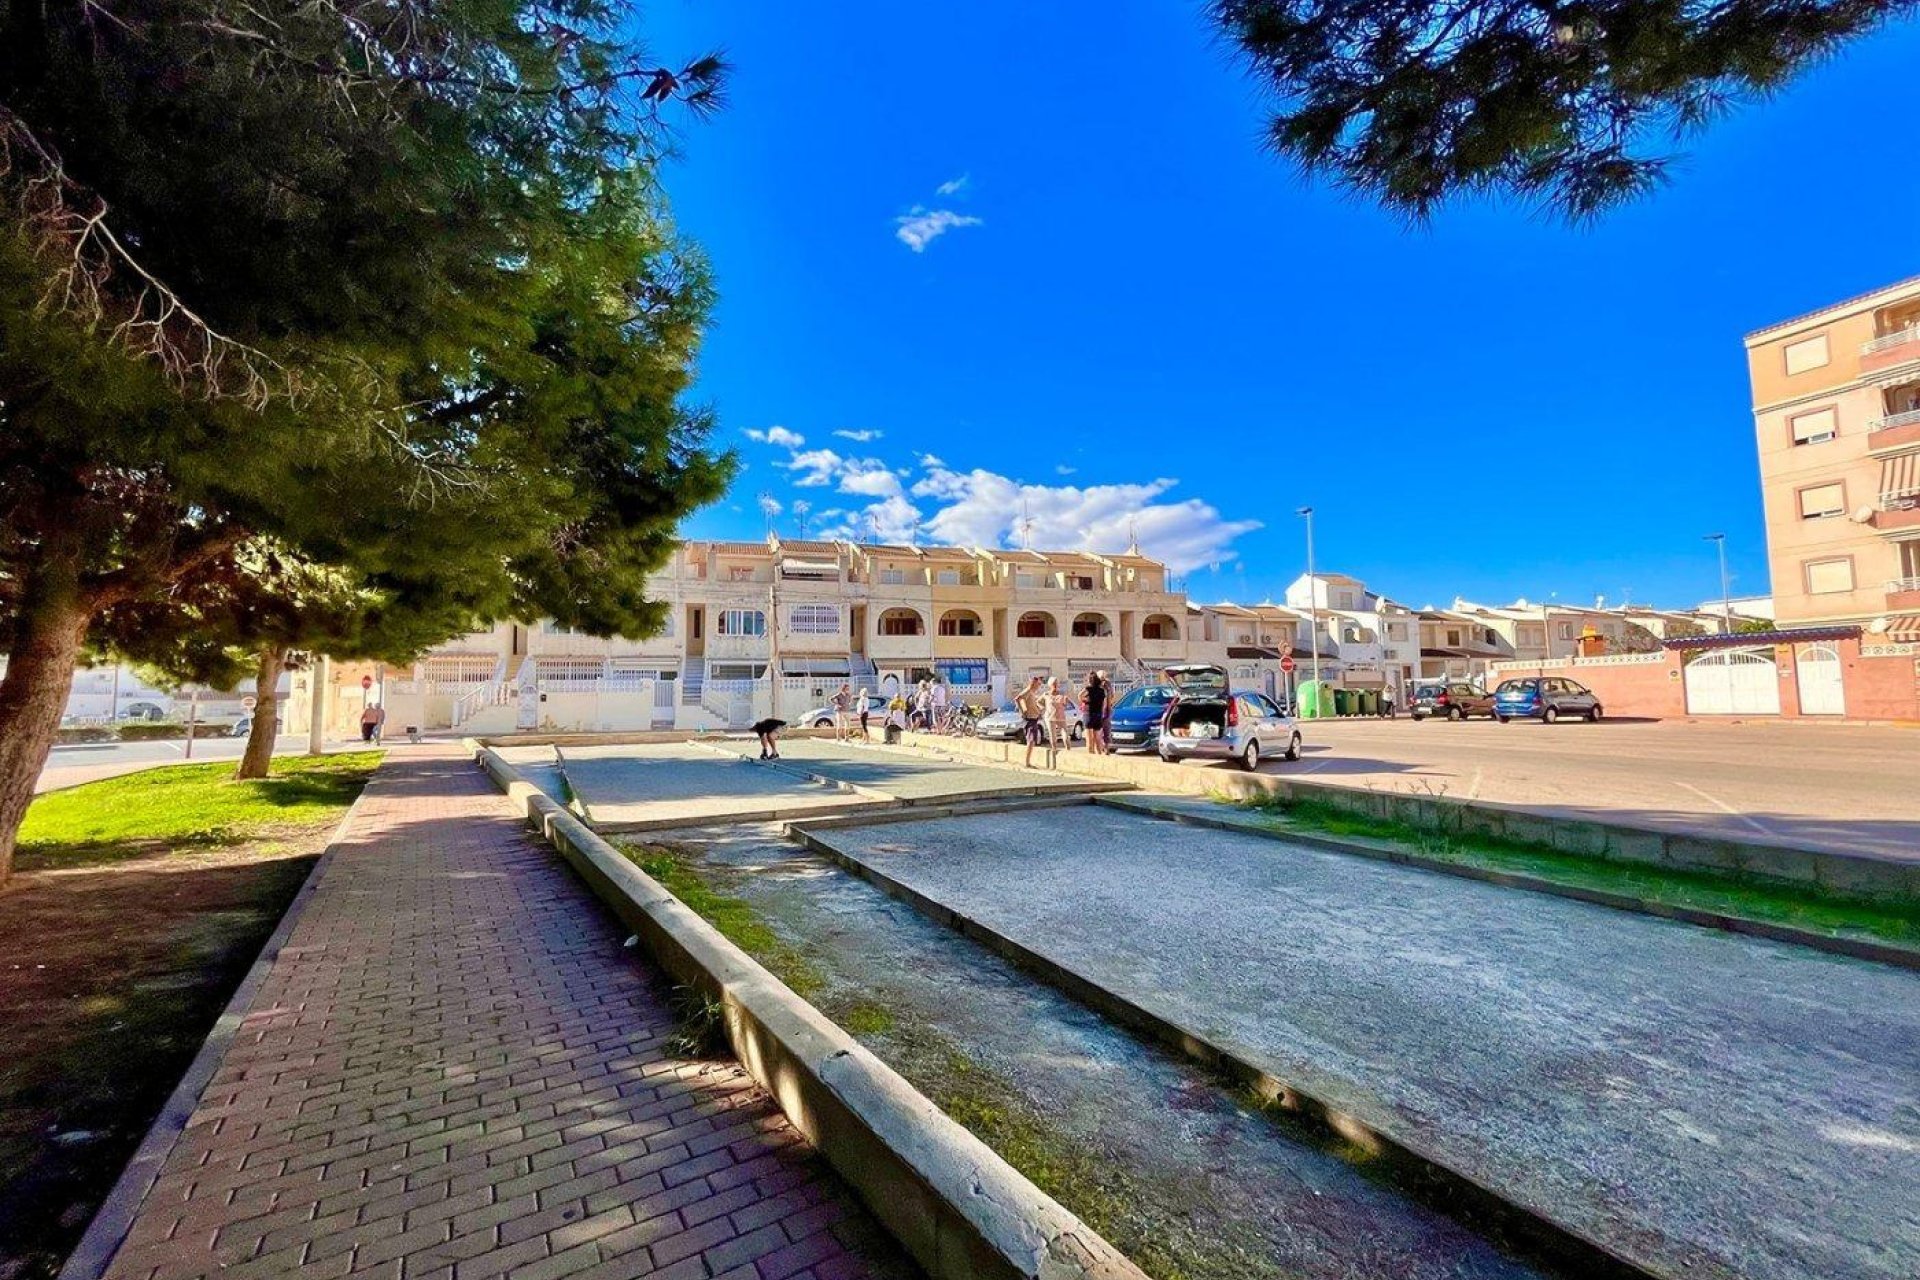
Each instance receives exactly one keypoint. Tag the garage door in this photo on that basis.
(1821, 691)
(1733, 682)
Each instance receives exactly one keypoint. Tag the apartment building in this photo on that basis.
(1375, 641)
(1456, 645)
(1836, 410)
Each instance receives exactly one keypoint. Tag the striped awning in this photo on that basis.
(1901, 629)
(1900, 477)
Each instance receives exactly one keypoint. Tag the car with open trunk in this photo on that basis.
(1208, 719)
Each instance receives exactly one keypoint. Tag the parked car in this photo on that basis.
(1455, 700)
(1208, 719)
(1134, 722)
(243, 727)
(1544, 698)
(822, 717)
(1004, 722)
(143, 711)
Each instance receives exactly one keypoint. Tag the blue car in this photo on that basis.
(1544, 698)
(1134, 722)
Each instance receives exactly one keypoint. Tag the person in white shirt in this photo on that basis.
(937, 696)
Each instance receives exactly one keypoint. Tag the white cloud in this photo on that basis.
(1065, 470)
(869, 478)
(778, 436)
(815, 467)
(862, 436)
(892, 520)
(769, 505)
(954, 186)
(922, 226)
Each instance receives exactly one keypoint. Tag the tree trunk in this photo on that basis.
(258, 759)
(33, 694)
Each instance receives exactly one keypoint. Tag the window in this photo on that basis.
(893, 577)
(1808, 353)
(960, 622)
(742, 622)
(1092, 624)
(1033, 626)
(901, 622)
(1566, 631)
(1453, 639)
(1026, 580)
(948, 578)
(740, 573)
(1159, 628)
(814, 619)
(1812, 428)
(1822, 500)
(1079, 582)
(1397, 631)
(1828, 576)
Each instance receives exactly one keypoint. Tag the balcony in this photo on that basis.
(1895, 431)
(724, 647)
(900, 648)
(1890, 349)
(1159, 650)
(1903, 594)
(1065, 647)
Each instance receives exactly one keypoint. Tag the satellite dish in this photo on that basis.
(1879, 625)
(1862, 515)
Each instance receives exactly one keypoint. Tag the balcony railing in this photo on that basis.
(1888, 341)
(1906, 419)
(1897, 585)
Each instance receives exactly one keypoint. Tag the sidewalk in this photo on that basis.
(453, 1069)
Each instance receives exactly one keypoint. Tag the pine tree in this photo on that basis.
(1569, 104)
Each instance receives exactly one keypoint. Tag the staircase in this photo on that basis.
(861, 671)
(693, 682)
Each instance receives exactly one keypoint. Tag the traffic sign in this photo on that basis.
(249, 702)
(366, 682)
(1286, 663)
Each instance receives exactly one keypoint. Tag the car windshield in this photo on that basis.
(1153, 695)
(1519, 686)
(1426, 691)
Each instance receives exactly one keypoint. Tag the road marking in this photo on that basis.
(1473, 791)
(1755, 823)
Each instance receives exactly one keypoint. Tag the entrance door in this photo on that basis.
(1821, 690)
(1733, 682)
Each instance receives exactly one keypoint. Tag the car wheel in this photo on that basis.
(1550, 715)
(1502, 719)
(1593, 714)
(1293, 747)
(1166, 757)
(1250, 758)
(1417, 717)
(1454, 713)
(823, 723)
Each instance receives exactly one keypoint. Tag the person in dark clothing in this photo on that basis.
(1093, 712)
(768, 731)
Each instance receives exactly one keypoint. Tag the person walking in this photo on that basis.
(842, 703)
(923, 707)
(1093, 713)
(866, 708)
(1031, 704)
(937, 714)
(371, 719)
(1056, 722)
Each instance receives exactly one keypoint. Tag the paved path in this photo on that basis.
(1715, 1105)
(1847, 788)
(452, 1069)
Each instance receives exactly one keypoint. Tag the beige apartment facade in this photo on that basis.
(1836, 407)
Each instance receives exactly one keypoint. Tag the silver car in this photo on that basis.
(1005, 723)
(1209, 720)
(822, 717)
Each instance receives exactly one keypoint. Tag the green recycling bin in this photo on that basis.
(1343, 702)
(1370, 702)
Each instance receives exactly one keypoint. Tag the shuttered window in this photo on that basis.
(1822, 500)
(1808, 353)
(1826, 576)
(1812, 428)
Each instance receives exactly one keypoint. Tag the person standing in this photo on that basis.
(1056, 722)
(937, 715)
(1093, 712)
(842, 703)
(371, 719)
(922, 706)
(1031, 705)
(866, 708)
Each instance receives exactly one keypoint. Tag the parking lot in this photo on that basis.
(1849, 788)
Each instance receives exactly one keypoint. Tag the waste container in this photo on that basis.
(1311, 695)
(1369, 702)
(1343, 702)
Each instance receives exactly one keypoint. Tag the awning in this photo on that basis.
(1901, 629)
(1364, 680)
(1445, 653)
(1251, 651)
(1900, 477)
(1749, 639)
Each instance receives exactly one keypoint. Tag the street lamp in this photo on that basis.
(1719, 540)
(1313, 610)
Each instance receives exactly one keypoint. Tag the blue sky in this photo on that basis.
(1121, 310)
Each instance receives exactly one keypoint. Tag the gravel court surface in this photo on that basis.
(1713, 1105)
(678, 782)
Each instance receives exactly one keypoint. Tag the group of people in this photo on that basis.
(1042, 706)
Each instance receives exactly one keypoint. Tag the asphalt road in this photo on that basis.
(1850, 788)
(91, 761)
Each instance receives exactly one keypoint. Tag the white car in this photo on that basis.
(1005, 723)
(1210, 720)
(822, 717)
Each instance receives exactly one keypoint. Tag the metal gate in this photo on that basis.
(1822, 693)
(1733, 682)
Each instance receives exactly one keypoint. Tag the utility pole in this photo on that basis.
(1313, 610)
(1719, 540)
(317, 711)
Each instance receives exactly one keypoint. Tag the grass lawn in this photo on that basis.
(1702, 890)
(178, 807)
(137, 907)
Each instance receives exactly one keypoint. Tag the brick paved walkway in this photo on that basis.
(453, 1069)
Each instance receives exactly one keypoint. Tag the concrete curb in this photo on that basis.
(1858, 875)
(1463, 1195)
(1855, 948)
(114, 1218)
(957, 1207)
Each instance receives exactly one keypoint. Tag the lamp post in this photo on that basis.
(1719, 540)
(1313, 610)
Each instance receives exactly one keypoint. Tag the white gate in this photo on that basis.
(1822, 692)
(1733, 682)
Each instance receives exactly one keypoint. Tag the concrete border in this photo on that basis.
(114, 1218)
(1855, 948)
(1848, 875)
(1464, 1196)
(960, 1210)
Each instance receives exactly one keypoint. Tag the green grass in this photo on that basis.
(735, 918)
(180, 807)
(1725, 894)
